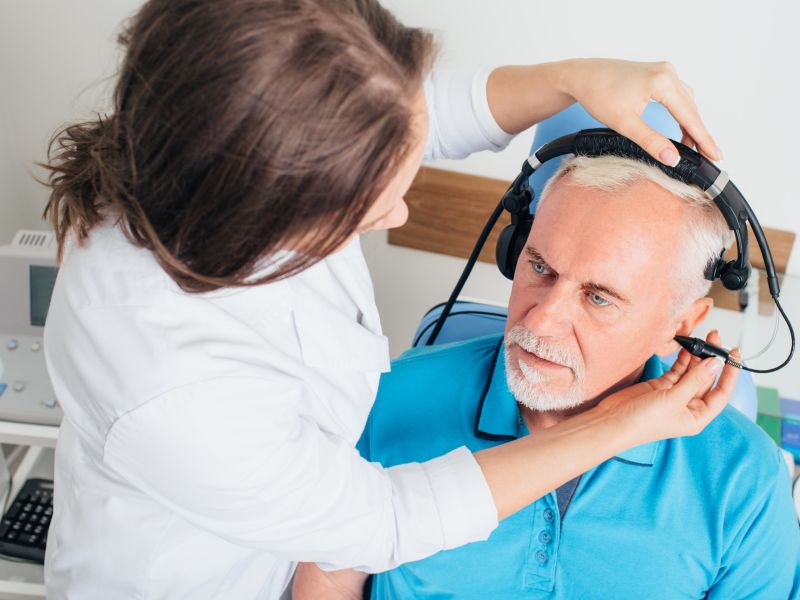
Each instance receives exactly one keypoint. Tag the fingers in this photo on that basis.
(696, 388)
(617, 92)
(715, 400)
(652, 142)
(686, 139)
(679, 367)
(697, 379)
(711, 338)
(678, 98)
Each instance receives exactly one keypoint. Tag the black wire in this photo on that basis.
(473, 258)
(791, 350)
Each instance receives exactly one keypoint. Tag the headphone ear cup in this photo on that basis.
(502, 254)
(734, 278)
(510, 245)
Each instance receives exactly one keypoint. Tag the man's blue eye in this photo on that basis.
(539, 268)
(598, 300)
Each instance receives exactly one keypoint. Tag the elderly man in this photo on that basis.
(612, 270)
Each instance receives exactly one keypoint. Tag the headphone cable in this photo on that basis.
(473, 258)
(775, 325)
(733, 363)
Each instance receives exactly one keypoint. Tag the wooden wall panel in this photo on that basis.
(448, 210)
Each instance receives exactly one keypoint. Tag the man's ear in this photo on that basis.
(685, 322)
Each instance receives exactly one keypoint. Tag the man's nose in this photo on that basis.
(553, 313)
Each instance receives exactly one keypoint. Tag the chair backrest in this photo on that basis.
(473, 319)
(467, 320)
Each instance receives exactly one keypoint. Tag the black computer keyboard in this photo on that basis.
(23, 531)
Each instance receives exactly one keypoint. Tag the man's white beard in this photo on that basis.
(529, 385)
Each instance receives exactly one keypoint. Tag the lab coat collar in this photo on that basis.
(349, 267)
(498, 416)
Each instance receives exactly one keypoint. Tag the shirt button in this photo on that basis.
(545, 536)
(549, 515)
(541, 557)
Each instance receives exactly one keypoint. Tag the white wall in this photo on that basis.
(739, 57)
(56, 58)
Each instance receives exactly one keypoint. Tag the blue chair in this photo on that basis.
(467, 320)
(472, 319)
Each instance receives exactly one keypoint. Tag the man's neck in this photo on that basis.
(538, 420)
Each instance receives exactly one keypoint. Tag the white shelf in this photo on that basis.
(28, 434)
(22, 590)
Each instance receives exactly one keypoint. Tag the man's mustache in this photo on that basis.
(530, 342)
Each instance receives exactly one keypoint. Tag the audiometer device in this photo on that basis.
(27, 276)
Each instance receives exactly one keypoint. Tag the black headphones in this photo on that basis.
(692, 168)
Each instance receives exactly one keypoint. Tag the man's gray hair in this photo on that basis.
(706, 232)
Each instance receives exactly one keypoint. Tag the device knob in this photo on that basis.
(12, 344)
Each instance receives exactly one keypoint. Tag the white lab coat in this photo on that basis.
(208, 439)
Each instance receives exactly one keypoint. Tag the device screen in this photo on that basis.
(42, 280)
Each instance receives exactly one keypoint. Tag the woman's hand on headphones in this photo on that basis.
(616, 92)
(681, 402)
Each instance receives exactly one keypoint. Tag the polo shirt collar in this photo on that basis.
(498, 416)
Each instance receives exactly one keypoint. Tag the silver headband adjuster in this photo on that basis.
(715, 189)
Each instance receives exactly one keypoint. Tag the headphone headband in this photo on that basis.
(692, 169)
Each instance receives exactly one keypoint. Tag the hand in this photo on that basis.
(616, 92)
(312, 583)
(679, 403)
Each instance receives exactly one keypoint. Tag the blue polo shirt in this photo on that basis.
(708, 516)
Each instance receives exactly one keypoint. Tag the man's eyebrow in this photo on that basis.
(534, 254)
(606, 291)
(599, 288)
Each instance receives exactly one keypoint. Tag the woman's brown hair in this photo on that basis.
(241, 128)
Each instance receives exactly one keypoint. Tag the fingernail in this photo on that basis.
(719, 152)
(713, 364)
(669, 157)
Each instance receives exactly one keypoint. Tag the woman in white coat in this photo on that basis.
(213, 337)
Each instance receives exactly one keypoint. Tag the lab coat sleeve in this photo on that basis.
(460, 121)
(763, 559)
(235, 457)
